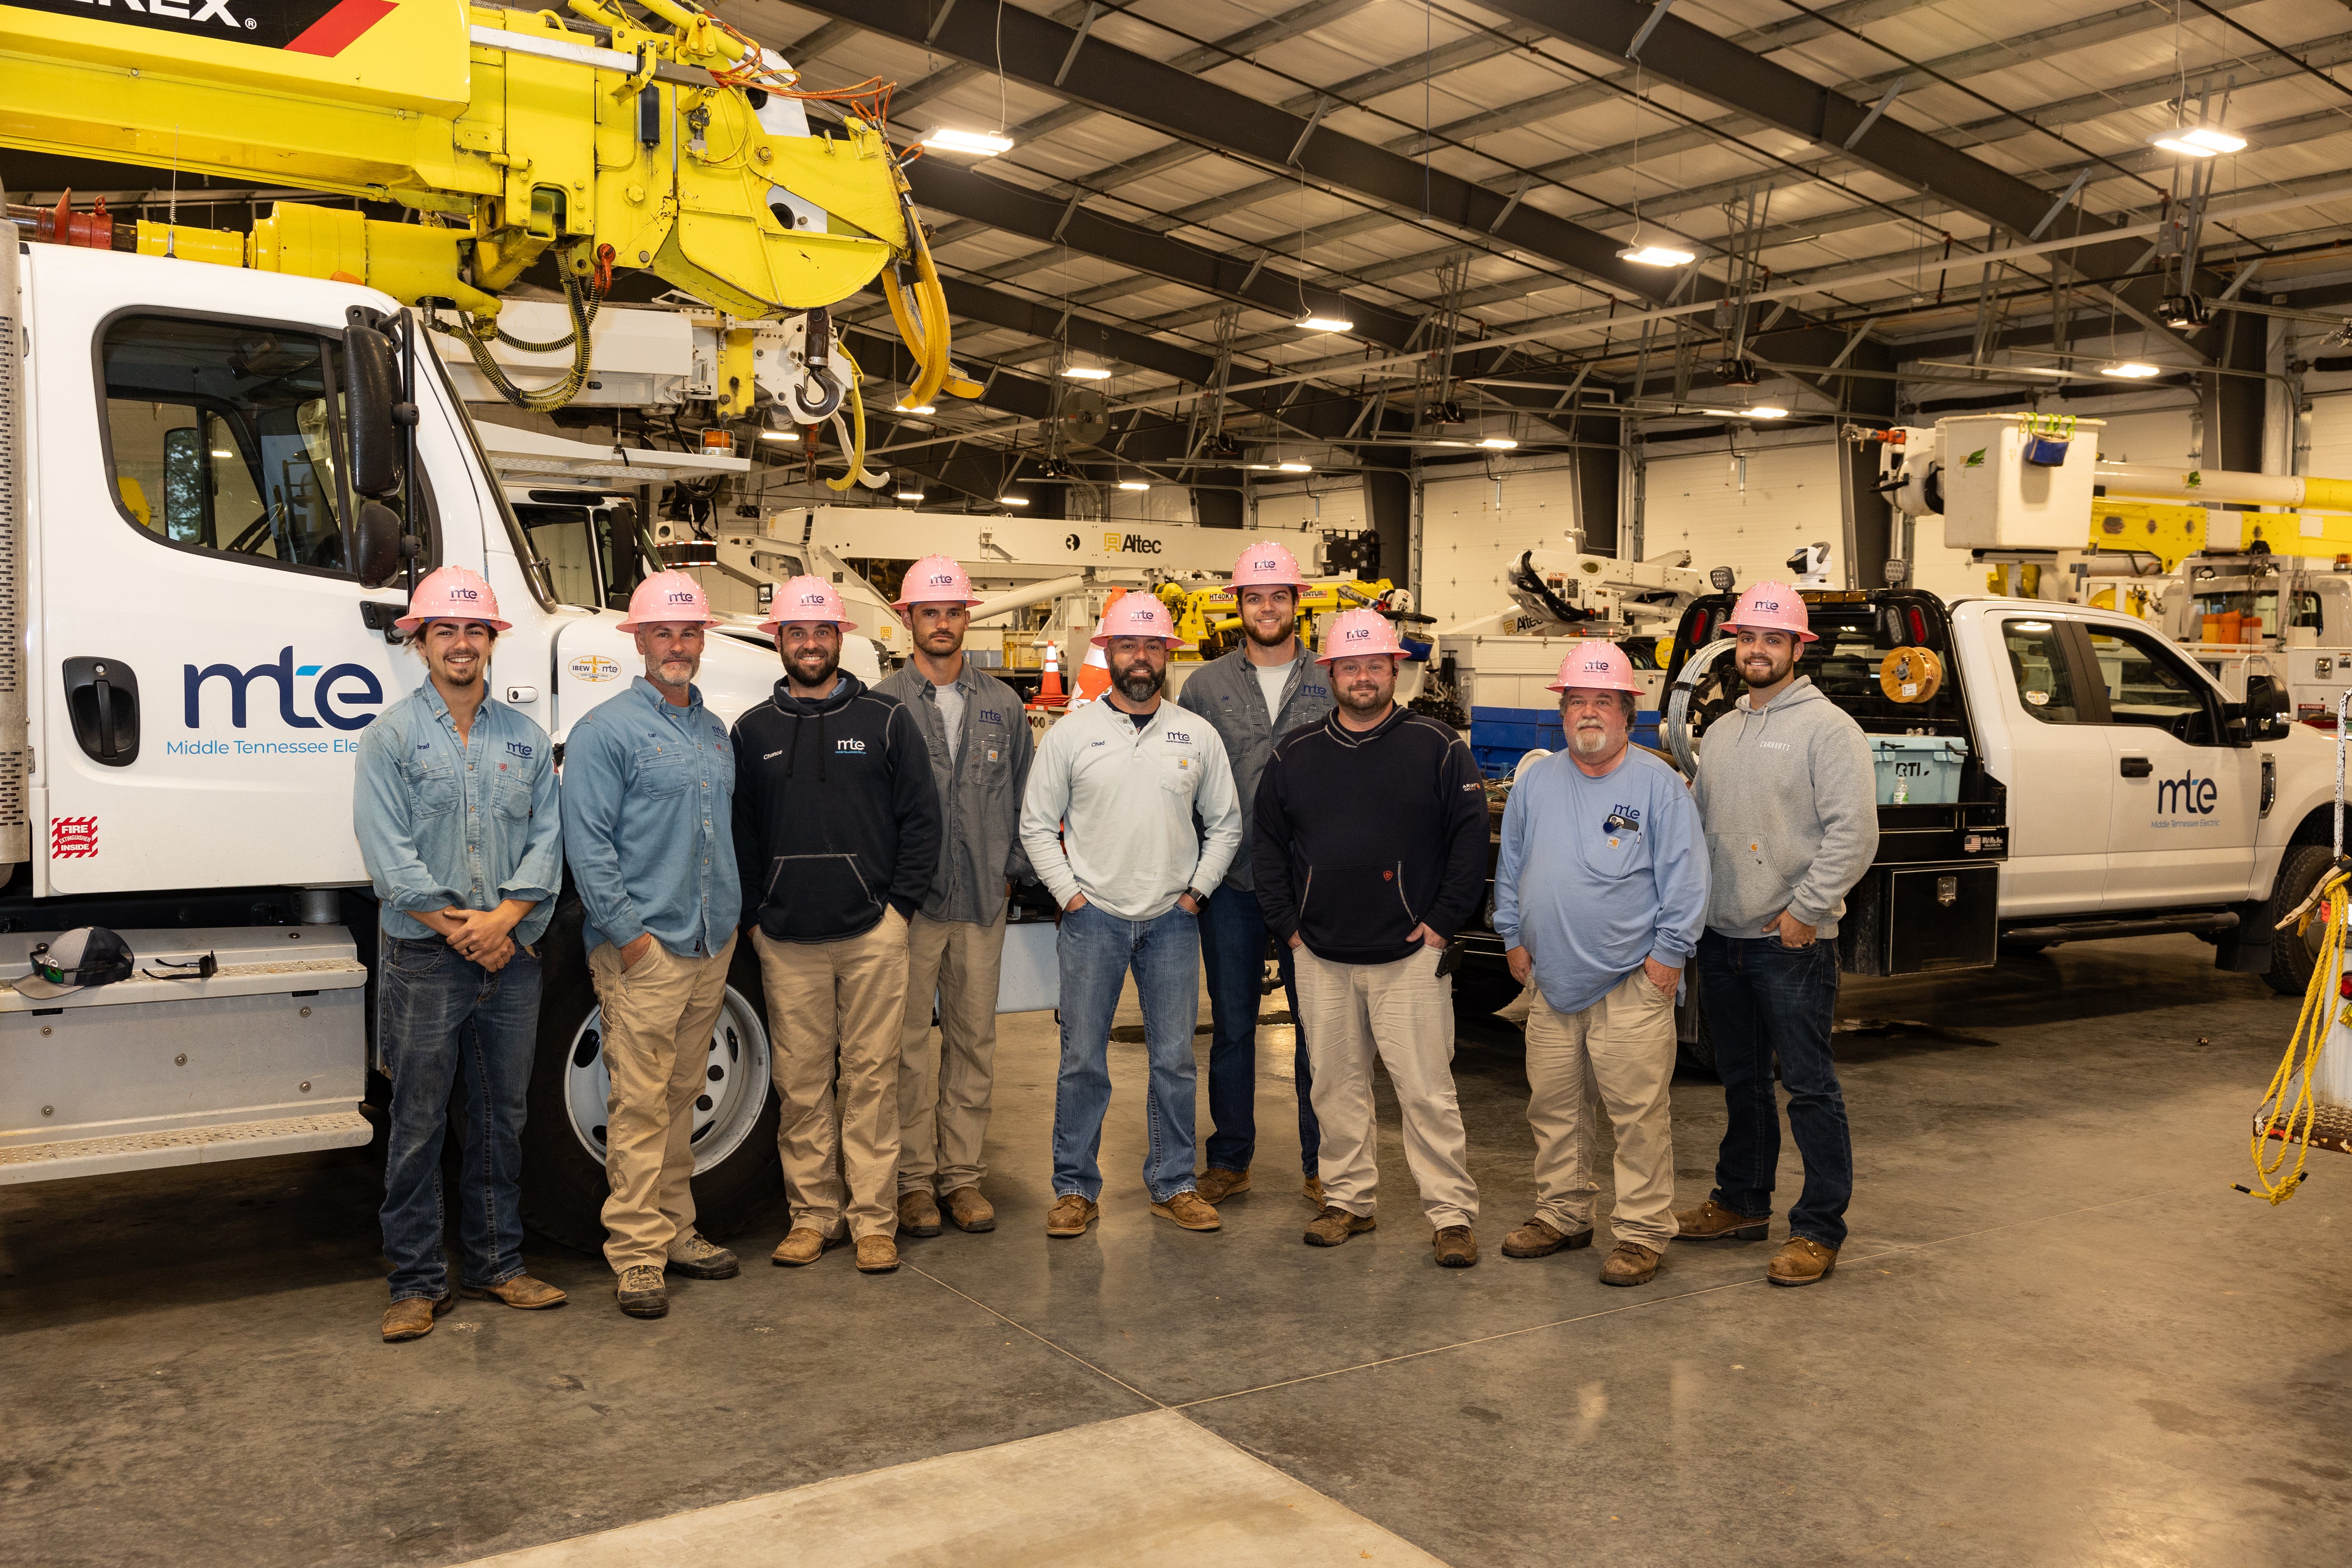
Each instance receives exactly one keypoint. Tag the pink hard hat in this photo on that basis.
(806, 599)
(452, 594)
(1772, 606)
(935, 580)
(1267, 564)
(667, 596)
(1357, 634)
(1596, 665)
(1137, 614)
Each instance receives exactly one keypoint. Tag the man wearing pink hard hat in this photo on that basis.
(978, 738)
(1370, 852)
(838, 832)
(1599, 894)
(646, 781)
(1253, 696)
(1790, 796)
(1110, 824)
(455, 810)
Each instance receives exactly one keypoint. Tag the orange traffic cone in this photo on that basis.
(1094, 678)
(1049, 691)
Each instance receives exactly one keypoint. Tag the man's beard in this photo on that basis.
(1589, 741)
(1365, 701)
(1139, 682)
(675, 671)
(1771, 676)
(462, 675)
(1280, 635)
(942, 641)
(825, 672)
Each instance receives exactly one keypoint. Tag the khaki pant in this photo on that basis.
(1625, 1042)
(944, 1083)
(834, 1011)
(1404, 1011)
(657, 1027)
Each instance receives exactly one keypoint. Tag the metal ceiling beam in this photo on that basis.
(1186, 106)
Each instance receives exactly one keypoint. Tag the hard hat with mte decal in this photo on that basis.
(667, 596)
(1136, 616)
(452, 594)
(806, 599)
(1596, 665)
(1267, 564)
(935, 580)
(1772, 606)
(1359, 634)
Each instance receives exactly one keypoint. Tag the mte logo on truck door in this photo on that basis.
(2186, 795)
(324, 27)
(336, 689)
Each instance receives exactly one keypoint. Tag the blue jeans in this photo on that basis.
(1764, 1000)
(1233, 957)
(1096, 950)
(441, 1018)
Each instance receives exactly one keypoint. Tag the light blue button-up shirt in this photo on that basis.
(445, 823)
(648, 822)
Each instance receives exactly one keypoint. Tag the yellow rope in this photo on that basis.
(857, 423)
(2320, 1001)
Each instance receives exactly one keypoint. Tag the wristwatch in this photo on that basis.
(1198, 897)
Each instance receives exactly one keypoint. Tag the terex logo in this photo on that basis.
(1131, 544)
(284, 673)
(323, 28)
(2186, 794)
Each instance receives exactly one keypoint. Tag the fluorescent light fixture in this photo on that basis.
(779, 435)
(1499, 443)
(1761, 411)
(1442, 442)
(2131, 370)
(1656, 256)
(217, 452)
(918, 408)
(910, 494)
(981, 144)
(1134, 485)
(1294, 468)
(2198, 140)
(1324, 324)
(1013, 500)
(1086, 372)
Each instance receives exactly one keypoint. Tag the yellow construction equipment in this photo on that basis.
(1207, 619)
(508, 135)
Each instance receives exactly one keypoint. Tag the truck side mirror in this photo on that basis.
(383, 543)
(2267, 709)
(370, 389)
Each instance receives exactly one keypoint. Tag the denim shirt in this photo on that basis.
(648, 822)
(450, 823)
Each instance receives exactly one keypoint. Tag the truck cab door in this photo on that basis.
(2062, 794)
(2186, 801)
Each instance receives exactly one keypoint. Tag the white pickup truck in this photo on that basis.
(203, 477)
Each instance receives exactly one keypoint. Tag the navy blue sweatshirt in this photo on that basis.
(835, 813)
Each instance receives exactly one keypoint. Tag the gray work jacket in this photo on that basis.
(980, 791)
(1225, 692)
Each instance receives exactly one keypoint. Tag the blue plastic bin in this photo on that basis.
(1928, 767)
(1499, 737)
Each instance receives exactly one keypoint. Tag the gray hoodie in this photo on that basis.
(1225, 692)
(1789, 797)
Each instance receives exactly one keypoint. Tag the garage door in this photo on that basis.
(1750, 513)
(1335, 507)
(2331, 437)
(1473, 528)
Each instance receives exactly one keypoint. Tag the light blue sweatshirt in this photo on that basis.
(1597, 875)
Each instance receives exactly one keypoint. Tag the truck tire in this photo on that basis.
(737, 1179)
(2292, 956)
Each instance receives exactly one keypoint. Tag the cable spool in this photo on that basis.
(1911, 675)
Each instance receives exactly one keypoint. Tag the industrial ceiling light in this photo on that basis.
(980, 143)
(1499, 443)
(918, 408)
(1087, 370)
(1134, 484)
(1013, 500)
(779, 435)
(1294, 468)
(1761, 411)
(910, 494)
(1314, 323)
(2198, 140)
(2131, 370)
(1656, 256)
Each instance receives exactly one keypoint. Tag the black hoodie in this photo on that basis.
(835, 813)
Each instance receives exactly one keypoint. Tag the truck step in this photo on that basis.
(182, 1146)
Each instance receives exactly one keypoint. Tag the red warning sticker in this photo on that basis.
(73, 837)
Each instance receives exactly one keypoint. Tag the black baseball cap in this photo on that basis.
(85, 956)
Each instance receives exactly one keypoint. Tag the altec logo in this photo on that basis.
(1131, 544)
(2188, 794)
(322, 27)
(357, 684)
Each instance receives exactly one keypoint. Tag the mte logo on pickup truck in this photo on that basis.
(359, 686)
(2186, 795)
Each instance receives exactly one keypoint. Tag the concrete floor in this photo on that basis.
(2056, 1336)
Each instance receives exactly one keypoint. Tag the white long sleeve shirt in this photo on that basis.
(1111, 807)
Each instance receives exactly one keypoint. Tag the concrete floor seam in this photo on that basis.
(1040, 1339)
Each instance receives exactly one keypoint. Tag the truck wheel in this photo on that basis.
(737, 1177)
(2293, 957)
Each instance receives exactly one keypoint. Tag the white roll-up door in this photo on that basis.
(2330, 456)
(1473, 528)
(1749, 513)
(2162, 436)
(1336, 506)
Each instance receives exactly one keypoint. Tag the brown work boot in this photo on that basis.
(1070, 1215)
(1801, 1260)
(918, 1213)
(1311, 1189)
(967, 1210)
(1336, 1225)
(1457, 1248)
(805, 1246)
(1537, 1238)
(411, 1318)
(1630, 1264)
(697, 1256)
(1712, 1222)
(876, 1255)
(522, 1291)
(641, 1292)
(1217, 1185)
(1187, 1210)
